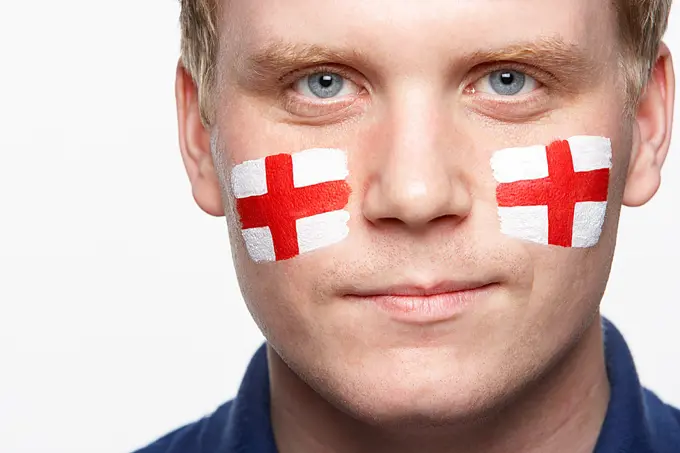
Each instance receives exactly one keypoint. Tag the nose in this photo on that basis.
(415, 178)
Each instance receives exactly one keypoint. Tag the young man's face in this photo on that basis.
(420, 96)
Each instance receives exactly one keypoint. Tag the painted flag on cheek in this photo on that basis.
(291, 204)
(555, 194)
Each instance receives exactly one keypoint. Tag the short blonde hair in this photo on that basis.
(642, 24)
(199, 43)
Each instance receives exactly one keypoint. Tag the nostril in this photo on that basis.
(415, 194)
(422, 224)
(387, 223)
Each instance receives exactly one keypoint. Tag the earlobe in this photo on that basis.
(651, 133)
(194, 143)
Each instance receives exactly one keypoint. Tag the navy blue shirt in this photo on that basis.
(636, 421)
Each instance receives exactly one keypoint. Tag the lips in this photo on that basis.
(418, 290)
(419, 304)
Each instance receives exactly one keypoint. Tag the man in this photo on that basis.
(422, 200)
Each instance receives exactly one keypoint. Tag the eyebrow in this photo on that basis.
(276, 58)
(555, 53)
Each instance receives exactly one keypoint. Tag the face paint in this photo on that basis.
(292, 203)
(555, 194)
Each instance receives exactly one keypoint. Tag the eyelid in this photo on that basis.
(302, 87)
(292, 77)
(542, 77)
(320, 110)
(522, 108)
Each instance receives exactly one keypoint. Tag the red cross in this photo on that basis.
(560, 191)
(283, 204)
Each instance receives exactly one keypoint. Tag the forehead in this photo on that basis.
(406, 31)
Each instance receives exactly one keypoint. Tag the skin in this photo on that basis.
(522, 369)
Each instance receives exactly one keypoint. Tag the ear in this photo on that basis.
(652, 132)
(194, 143)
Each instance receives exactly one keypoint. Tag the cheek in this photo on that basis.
(568, 283)
(266, 291)
(620, 160)
(248, 131)
(285, 298)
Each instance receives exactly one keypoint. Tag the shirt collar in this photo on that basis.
(625, 427)
(249, 429)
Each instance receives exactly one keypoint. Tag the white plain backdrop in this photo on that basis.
(120, 314)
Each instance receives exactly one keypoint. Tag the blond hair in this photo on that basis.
(642, 24)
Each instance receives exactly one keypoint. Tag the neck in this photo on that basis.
(562, 412)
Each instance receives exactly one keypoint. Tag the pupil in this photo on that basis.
(326, 81)
(507, 78)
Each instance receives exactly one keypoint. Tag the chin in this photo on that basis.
(414, 388)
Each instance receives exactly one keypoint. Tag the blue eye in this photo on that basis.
(506, 83)
(324, 85)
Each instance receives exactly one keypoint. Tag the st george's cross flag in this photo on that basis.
(555, 194)
(291, 204)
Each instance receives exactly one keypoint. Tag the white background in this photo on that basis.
(120, 315)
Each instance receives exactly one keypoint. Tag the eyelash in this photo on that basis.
(483, 70)
(290, 79)
(545, 79)
(319, 108)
